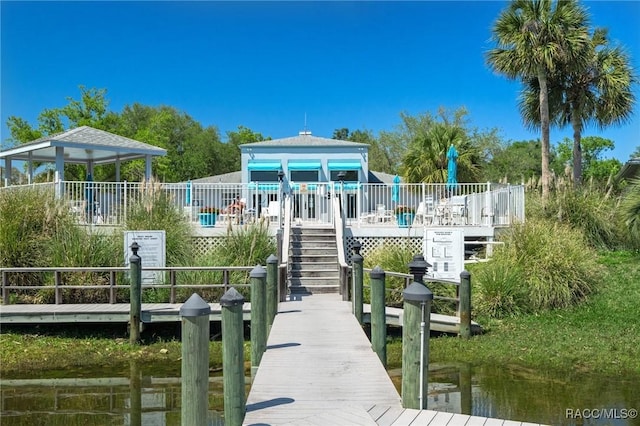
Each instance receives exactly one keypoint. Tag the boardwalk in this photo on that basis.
(168, 312)
(99, 312)
(319, 369)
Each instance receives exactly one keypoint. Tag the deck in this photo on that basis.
(319, 369)
(100, 312)
(168, 312)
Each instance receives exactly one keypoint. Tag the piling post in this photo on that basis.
(358, 285)
(135, 294)
(378, 314)
(272, 290)
(258, 316)
(465, 304)
(195, 360)
(233, 357)
(415, 345)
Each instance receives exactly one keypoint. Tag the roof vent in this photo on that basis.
(305, 133)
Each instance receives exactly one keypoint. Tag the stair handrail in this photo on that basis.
(338, 224)
(286, 231)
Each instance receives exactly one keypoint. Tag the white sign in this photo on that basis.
(444, 249)
(152, 253)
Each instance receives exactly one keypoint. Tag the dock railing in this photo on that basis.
(117, 280)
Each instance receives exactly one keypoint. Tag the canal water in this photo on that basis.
(147, 394)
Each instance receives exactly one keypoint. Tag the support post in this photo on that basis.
(258, 316)
(195, 360)
(135, 294)
(415, 345)
(272, 290)
(233, 357)
(465, 304)
(378, 314)
(356, 262)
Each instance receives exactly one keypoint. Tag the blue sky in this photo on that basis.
(267, 65)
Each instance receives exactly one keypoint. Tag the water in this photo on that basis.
(151, 395)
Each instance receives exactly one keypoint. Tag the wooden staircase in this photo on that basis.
(313, 260)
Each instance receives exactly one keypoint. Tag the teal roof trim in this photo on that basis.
(344, 165)
(304, 165)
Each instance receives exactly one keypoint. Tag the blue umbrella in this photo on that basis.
(395, 189)
(452, 168)
(187, 195)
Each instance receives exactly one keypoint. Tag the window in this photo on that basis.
(264, 176)
(304, 175)
(349, 175)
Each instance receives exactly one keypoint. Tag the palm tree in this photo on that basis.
(600, 92)
(534, 39)
(426, 157)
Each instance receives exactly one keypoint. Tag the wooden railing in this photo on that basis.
(408, 279)
(59, 284)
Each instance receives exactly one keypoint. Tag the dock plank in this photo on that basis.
(319, 357)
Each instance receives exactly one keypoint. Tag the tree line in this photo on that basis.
(415, 149)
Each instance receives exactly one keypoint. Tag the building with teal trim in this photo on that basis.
(304, 158)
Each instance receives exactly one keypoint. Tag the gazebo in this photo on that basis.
(82, 145)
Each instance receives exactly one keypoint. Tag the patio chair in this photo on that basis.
(273, 211)
(425, 212)
(383, 215)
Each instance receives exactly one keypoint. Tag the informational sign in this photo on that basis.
(152, 253)
(444, 250)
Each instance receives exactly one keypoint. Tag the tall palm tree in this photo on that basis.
(534, 39)
(599, 92)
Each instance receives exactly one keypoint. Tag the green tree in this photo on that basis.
(381, 156)
(599, 92)
(535, 39)
(428, 139)
(515, 162)
(593, 165)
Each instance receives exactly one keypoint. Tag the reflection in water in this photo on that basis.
(144, 394)
(528, 395)
(133, 401)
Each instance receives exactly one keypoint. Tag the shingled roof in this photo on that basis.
(304, 140)
(81, 145)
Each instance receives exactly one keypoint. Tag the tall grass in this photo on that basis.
(543, 265)
(592, 209)
(391, 259)
(155, 210)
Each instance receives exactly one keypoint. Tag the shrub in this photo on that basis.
(391, 259)
(543, 265)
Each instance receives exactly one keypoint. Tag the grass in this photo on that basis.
(601, 335)
(25, 352)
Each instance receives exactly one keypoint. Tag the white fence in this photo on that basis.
(364, 205)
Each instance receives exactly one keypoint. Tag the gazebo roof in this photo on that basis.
(82, 145)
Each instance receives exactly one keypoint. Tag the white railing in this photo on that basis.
(364, 205)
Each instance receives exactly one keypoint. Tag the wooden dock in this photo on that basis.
(99, 312)
(319, 369)
(168, 312)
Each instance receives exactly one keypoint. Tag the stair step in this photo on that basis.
(314, 265)
(315, 273)
(312, 258)
(313, 252)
